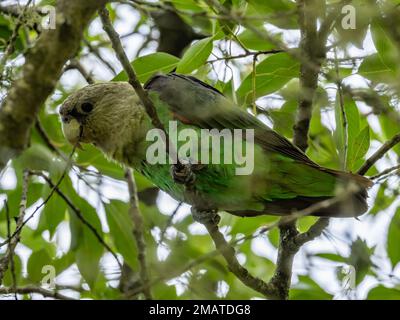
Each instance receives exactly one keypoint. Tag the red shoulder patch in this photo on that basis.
(181, 118)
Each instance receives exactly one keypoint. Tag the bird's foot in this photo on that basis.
(205, 216)
(183, 173)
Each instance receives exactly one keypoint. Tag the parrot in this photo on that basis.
(112, 117)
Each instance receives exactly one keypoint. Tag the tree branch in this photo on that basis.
(55, 188)
(228, 252)
(379, 154)
(246, 54)
(75, 64)
(32, 289)
(10, 43)
(137, 220)
(312, 48)
(392, 170)
(123, 59)
(13, 240)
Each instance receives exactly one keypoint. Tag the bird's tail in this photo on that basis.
(353, 204)
(349, 202)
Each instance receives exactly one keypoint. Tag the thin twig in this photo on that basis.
(32, 289)
(169, 222)
(379, 154)
(134, 82)
(95, 50)
(75, 64)
(344, 116)
(312, 48)
(246, 54)
(12, 252)
(78, 213)
(228, 252)
(46, 139)
(67, 165)
(315, 231)
(137, 220)
(13, 239)
(386, 172)
(10, 44)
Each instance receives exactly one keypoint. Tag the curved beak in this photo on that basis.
(72, 130)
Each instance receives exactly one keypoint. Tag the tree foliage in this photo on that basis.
(253, 51)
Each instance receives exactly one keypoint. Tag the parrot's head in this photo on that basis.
(108, 115)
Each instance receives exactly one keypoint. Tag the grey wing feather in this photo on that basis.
(206, 107)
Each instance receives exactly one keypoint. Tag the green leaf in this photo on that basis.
(36, 262)
(278, 12)
(8, 277)
(271, 74)
(148, 65)
(53, 212)
(363, 13)
(358, 148)
(121, 231)
(383, 293)
(83, 241)
(195, 56)
(308, 289)
(360, 258)
(251, 225)
(331, 257)
(284, 119)
(340, 130)
(393, 239)
(384, 45)
(353, 120)
(252, 41)
(390, 126)
(191, 5)
(382, 201)
(38, 157)
(14, 198)
(374, 69)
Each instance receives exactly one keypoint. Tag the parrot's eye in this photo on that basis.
(86, 107)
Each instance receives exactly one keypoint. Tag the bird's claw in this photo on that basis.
(183, 173)
(205, 216)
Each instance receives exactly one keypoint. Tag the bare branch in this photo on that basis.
(245, 55)
(75, 64)
(137, 220)
(32, 289)
(133, 80)
(315, 231)
(169, 222)
(379, 154)
(228, 252)
(14, 239)
(385, 172)
(96, 52)
(78, 213)
(11, 42)
(312, 48)
(53, 189)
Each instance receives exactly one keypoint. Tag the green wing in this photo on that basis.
(196, 103)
